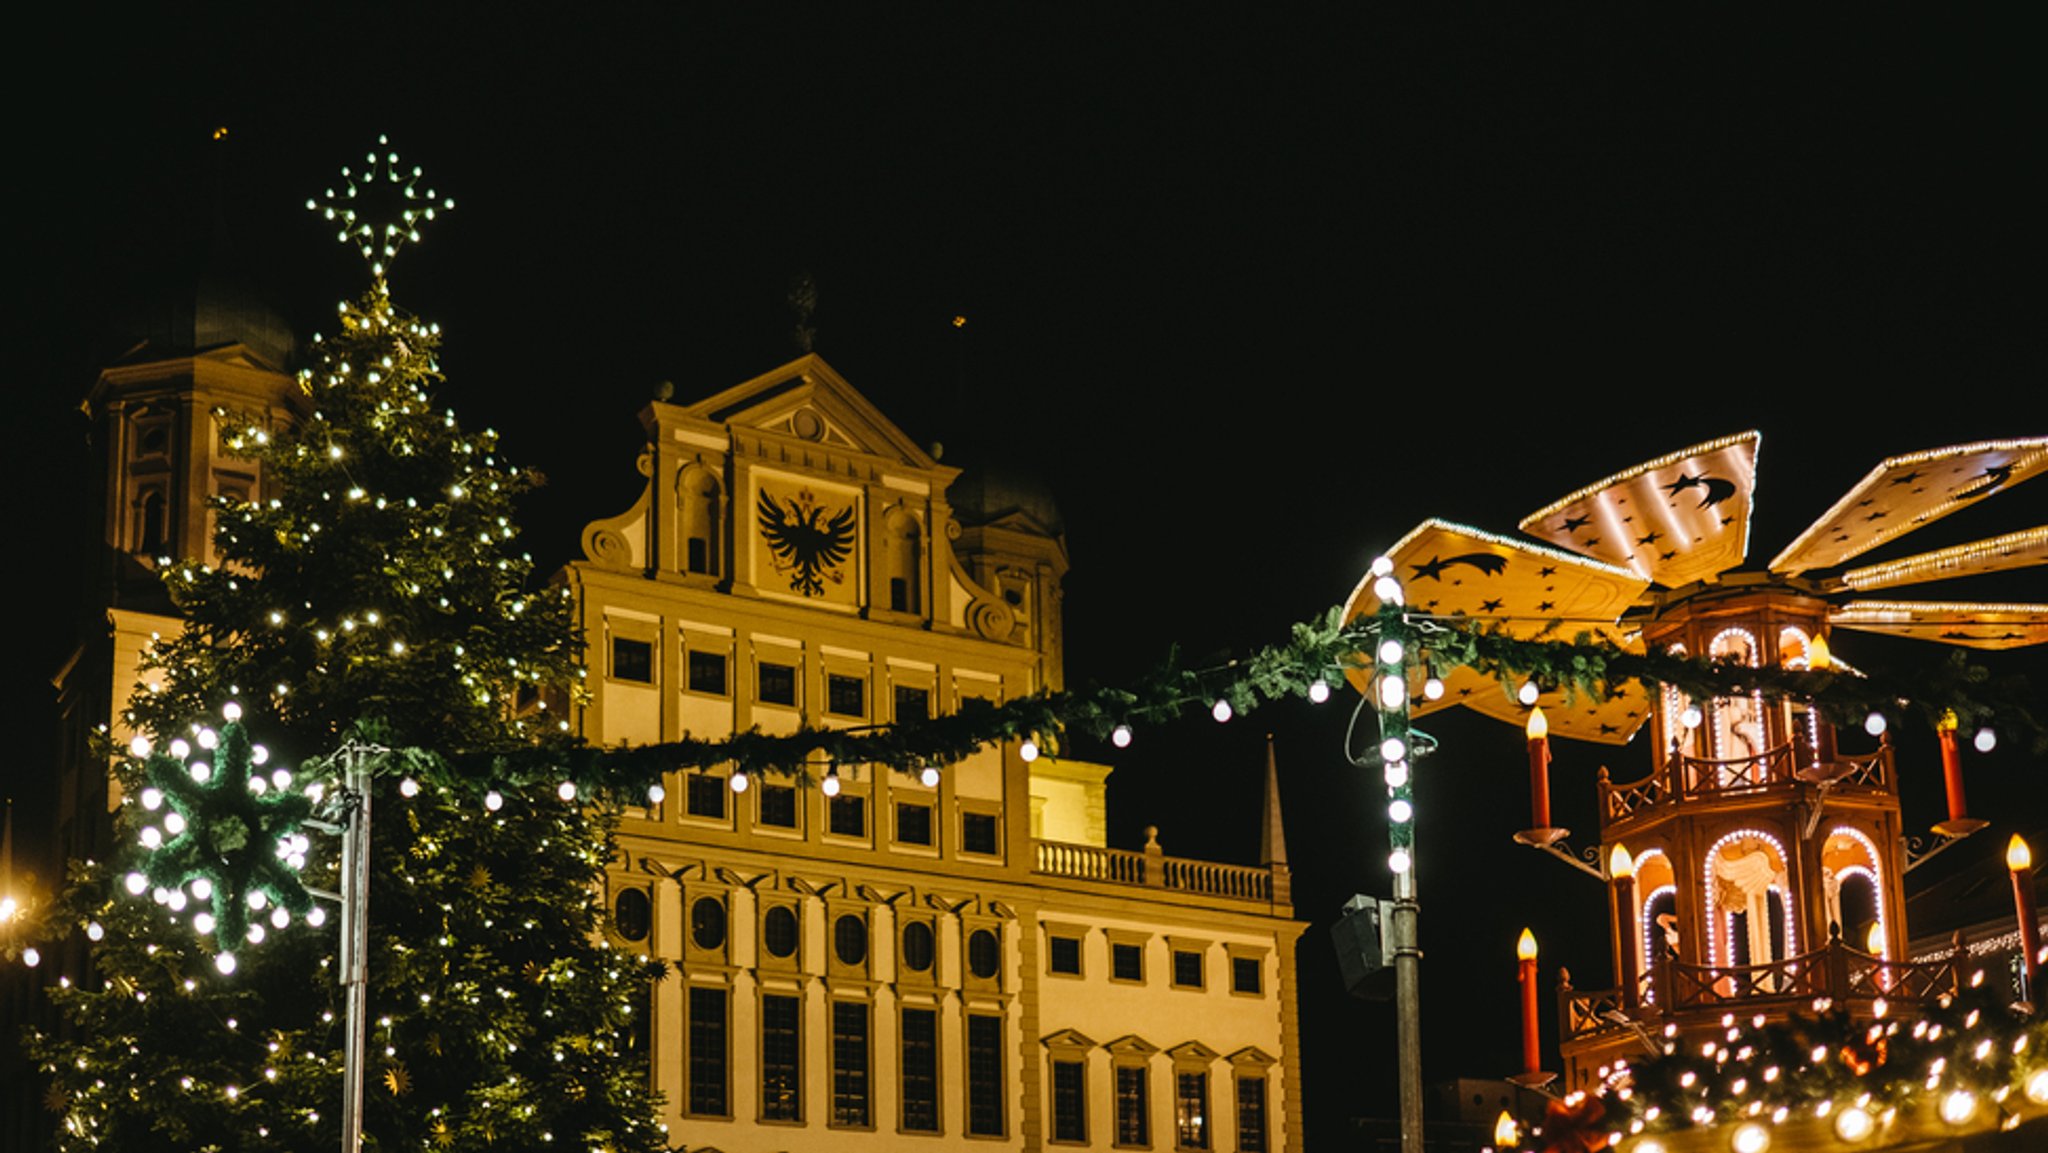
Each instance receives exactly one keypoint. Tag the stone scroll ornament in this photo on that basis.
(221, 826)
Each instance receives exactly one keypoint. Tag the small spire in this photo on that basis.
(1272, 837)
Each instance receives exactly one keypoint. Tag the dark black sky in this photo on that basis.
(1254, 292)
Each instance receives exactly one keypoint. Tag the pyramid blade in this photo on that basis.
(1529, 591)
(2015, 550)
(1674, 520)
(1976, 626)
(1908, 491)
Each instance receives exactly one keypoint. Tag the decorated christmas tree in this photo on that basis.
(369, 607)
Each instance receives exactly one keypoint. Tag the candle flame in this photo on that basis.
(2017, 855)
(1506, 1133)
(1620, 864)
(1948, 721)
(1526, 947)
(1873, 941)
(1538, 728)
(1817, 655)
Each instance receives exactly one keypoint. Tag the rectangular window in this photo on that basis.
(707, 672)
(1245, 974)
(1251, 1115)
(707, 1052)
(846, 696)
(1069, 1102)
(913, 704)
(913, 823)
(699, 559)
(984, 1075)
(1133, 1107)
(847, 815)
(1063, 955)
(632, 660)
(1126, 961)
(782, 1084)
(777, 684)
(850, 1063)
(705, 795)
(899, 594)
(778, 806)
(978, 834)
(1191, 1110)
(1187, 968)
(921, 1070)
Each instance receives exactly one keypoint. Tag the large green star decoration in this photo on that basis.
(224, 828)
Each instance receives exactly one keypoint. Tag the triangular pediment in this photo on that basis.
(1252, 1055)
(1067, 1039)
(1132, 1045)
(1193, 1052)
(807, 400)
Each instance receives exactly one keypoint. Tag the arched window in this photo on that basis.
(1748, 900)
(1738, 722)
(152, 526)
(1794, 650)
(1854, 887)
(903, 561)
(1673, 710)
(698, 501)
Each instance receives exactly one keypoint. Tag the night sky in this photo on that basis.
(1252, 293)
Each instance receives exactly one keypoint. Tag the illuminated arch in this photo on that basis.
(1738, 722)
(1838, 865)
(1759, 880)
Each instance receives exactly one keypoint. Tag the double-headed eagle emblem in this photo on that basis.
(809, 542)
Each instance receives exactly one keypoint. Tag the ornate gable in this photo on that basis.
(807, 400)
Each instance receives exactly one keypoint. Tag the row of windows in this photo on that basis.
(1132, 1101)
(705, 671)
(1127, 963)
(846, 815)
(849, 1049)
(632, 919)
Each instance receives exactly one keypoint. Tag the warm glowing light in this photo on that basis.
(2037, 1086)
(1400, 812)
(1526, 947)
(1393, 749)
(1399, 860)
(1506, 1133)
(1750, 1138)
(1028, 750)
(1538, 728)
(1388, 590)
(740, 780)
(1433, 689)
(1121, 735)
(1817, 655)
(1382, 566)
(408, 788)
(1874, 724)
(1220, 710)
(1691, 717)
(1985, 740)
(1854, 1123)
(1393, 692)
(1958, 1106)
(1319, 691)
(1873, 941)
(831, 785)
(2017, 856)
(1391, 651)
(1396, 774)
(1528, 693)
(566, 790)
(31, 957)
(656, 793)
(929, 776)
(225, 962)
(1620, 864)
(494, 800)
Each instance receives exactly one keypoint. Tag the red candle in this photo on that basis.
(1623, 869)
(2020, 861)
(1951, 766)
(1539, 769)
(1525, 950)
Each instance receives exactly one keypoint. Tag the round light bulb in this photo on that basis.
(1220, 710)
(258, 755)
(1433, 689)
(202, 923)
(281, 778)
(1391, 652)
(408, 788)
(179, 748)
(1691, 717)
(316, 916)
(202, 888)
(1318, 691)
(1750, 1137)
(1399, 860)
(1396, 774)
(152, 837)
(1120, 736)
(256, 934)
(1400, 812)
(831, 783)
(566, 790)
(225, 962)
(280, 917)
(1387, 589)
(31, 956)
(1393, 749)
(1028, 750)
(656, 793)
(208, 739)
(258, 785)
(1874, 724)
(94, 931)
(929, 776)
(152, 799)
(1985, 740)
(494, 800)
(1958, 1106)
(1382, 566)
(1528, 693)
(740, 781)
(174, 823)
(1854, 1123)
(175, 900)
(231, 711)
(2037, 1086)
(140, 746)
(1393, 692)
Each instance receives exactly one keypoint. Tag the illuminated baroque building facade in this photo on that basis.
(956, 960)
(961, 963)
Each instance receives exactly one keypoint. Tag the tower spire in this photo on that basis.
(1272, 837)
